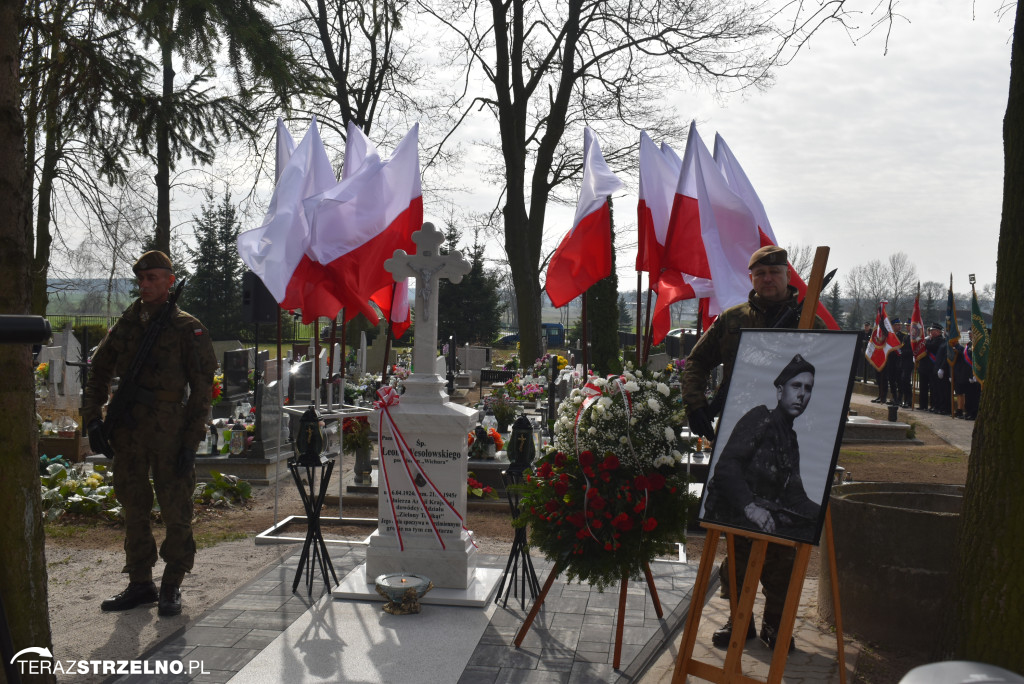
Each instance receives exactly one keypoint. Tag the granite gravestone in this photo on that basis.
(422, 475)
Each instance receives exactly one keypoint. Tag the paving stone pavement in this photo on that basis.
(571, 640)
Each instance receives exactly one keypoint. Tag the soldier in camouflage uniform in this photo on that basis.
(159, 438)
(772, 302)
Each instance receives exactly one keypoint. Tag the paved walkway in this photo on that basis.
(265, 633)
(954, 431)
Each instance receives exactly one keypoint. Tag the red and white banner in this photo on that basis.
(585, 254)
(274, 250)
(883, 340)
(659, 173)
(917, 334)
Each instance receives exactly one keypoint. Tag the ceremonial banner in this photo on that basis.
(917, 335)
(979, 339)
(659, 173)
(883, 340)
(394, 304)
(952, 328)
(585, 254)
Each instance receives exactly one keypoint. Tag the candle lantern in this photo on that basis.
(521, 447)
(309, 444)
(237, 444)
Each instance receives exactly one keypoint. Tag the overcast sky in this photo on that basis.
(866, 152)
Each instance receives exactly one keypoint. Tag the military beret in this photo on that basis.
(896, 321)
(935, 326)
(152, 259)
(795, 367)
(769, 255)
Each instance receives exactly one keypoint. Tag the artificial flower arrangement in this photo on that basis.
(355, 434)
(478, 447)
(610, 495)
(502, 406)
(476, 488)
(217, 391)
(42, 373)
(542, 365)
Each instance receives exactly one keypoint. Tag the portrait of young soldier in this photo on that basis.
(756, 483)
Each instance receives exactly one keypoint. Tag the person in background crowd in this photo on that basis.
(936, 346)
(906, 368)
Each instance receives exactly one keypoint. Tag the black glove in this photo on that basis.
(97, 442)
(186, 461)
(700, 423)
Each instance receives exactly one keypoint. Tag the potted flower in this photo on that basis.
(610, 495)
(503, 408)
(483, 443)
(476, 489)
(355, 439)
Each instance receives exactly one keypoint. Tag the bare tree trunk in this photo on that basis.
(23, 572)
(163, 151)
(990, 582)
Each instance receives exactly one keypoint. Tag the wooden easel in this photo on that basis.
(620, 617)
(742, 607)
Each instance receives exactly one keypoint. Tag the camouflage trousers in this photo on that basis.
(152, 447)
(778, 566)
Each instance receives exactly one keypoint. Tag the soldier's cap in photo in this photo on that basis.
(769, 255)
(795, 367)
(935, 326)
(152, 259)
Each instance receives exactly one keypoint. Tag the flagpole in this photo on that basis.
(639, 318)
(330, 363)
(586, 343)
(341, 364)
(387, 342)
(649, 331)
(916, 373)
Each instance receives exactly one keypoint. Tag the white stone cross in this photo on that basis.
(427, 266)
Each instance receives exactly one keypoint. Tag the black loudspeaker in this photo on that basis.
(258, 305)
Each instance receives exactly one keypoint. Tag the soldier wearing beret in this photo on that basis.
(757, 482)
(160, 436)
(939, 381)
(771, 303)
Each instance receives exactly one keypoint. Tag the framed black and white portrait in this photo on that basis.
(779, 435)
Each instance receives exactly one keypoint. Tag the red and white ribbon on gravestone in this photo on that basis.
(388, 396)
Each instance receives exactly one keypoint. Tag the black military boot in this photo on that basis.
(137, 594)
(723, 635)
(770, 632)
(170, 599)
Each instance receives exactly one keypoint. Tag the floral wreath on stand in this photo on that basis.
(610, 495)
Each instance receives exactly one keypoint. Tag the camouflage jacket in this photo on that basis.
(182, 358)
(722, 340)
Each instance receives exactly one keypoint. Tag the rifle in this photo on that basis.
(790, 318)
(128, 390)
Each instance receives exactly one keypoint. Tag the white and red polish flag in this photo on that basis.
(284, 146)
(711, 232)
(741, 185)
(274, 250)
(394, 304)
(659, 173)
(883, 340)
(359, 223)
(585, 254)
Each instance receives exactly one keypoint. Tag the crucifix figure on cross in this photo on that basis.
(427, 266)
